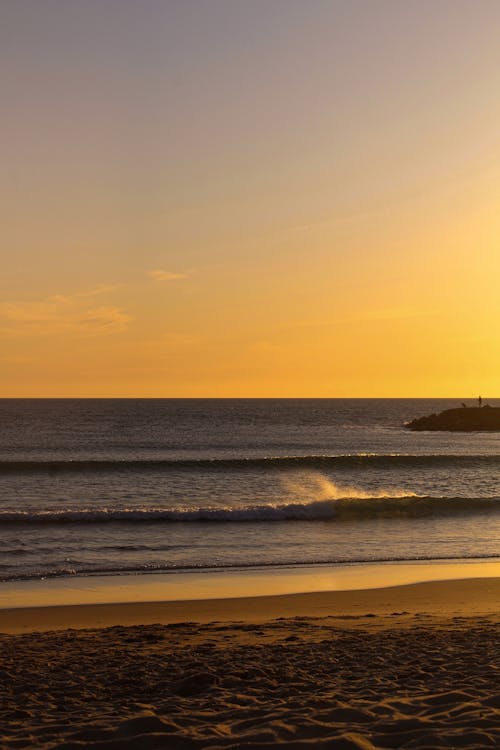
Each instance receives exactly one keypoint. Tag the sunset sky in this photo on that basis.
(250, 198)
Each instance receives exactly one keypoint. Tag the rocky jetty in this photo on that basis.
(464, 419)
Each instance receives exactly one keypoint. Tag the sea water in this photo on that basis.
(108, 486)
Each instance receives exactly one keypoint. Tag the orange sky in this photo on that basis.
(250, 199)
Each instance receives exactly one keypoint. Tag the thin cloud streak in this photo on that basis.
(160, 275)
(394, 313)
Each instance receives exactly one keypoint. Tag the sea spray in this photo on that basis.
(312, 486)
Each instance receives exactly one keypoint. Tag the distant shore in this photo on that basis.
(464, 419)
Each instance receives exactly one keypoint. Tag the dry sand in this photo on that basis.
(414, 667)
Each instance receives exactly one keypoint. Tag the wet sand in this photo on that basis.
(412, 666)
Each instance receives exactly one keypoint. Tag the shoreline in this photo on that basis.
(441, 601)
(232, 583)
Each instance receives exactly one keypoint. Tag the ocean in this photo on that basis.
(116, 486)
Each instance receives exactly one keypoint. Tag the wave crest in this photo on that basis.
(349, 461)
(341, 509)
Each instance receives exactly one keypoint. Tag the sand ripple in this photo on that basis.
(296, 683)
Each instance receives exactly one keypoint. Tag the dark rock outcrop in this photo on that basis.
(471, 419)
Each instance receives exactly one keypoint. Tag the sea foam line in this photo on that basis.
(166, 568)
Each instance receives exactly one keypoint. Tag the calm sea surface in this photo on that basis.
(111, 485)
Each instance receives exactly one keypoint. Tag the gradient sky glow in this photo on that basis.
(250, 198)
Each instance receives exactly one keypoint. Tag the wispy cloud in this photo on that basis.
(31, 312)
(100, 321)
(160, 275)
(304, 227)
(85, 294)
(334, 220)
(99, 289)
(63, 313)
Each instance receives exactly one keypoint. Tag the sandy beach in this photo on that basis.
(411, 666)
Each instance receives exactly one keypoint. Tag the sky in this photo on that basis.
(250, 198)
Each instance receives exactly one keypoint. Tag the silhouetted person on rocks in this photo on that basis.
(480, 400)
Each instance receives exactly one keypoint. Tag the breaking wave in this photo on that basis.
(340, 509)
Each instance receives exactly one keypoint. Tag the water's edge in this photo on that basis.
(229, 584)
